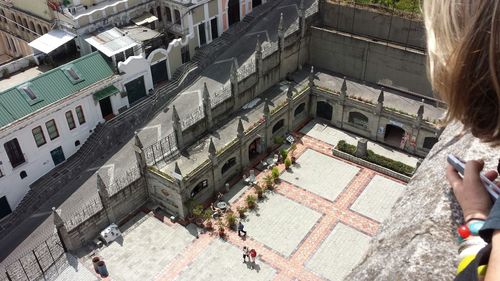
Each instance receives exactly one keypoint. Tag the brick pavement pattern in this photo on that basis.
(315, 225)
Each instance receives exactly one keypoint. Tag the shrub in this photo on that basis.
(345, 147)
(383, 161)
(389, 163)
(288, 163)
(251, 201)
(241, 211)
(284, 153)
(259, 191)
(231, 219)
(207, 214)
(269, 180)
(198, 211)
(279, 140)
(275, 172)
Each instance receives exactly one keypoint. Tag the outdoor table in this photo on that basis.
(222, 205)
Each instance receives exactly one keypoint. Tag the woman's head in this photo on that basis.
(463, 41)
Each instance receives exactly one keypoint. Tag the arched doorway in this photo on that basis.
(256, 3)
(324, 110)
(233, 12)
(394, 135)
(254, 149)
(429, 142)
(278, 126)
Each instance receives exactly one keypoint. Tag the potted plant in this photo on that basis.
(259, 191)
(220, 224)
(251, 201)
(207, 216)
(241, 211)
(275, 172)
(284, 154)
(269, 180)
(288, 163)
(198, 214)
(231, 220)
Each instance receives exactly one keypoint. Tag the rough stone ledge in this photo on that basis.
(418, 241)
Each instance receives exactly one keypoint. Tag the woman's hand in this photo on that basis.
(473, 198)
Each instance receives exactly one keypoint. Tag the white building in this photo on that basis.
(45, 120)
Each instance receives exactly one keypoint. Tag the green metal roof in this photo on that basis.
(106, 92)
(51, 87)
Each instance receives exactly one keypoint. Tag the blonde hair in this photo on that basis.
(463, 42)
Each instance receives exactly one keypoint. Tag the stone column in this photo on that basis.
(258, 58)
(139, 154)
(105, 199)
(62, 231)
(302, 27)
(312, 96)
(267, 117)
(379, 109)
(207, 106)
(281, 45)
(212, 155)
(233, 77)
(362, 148)
(240, 133)
(289, 99)
(176, 124)
(416, 128)
(342, 99)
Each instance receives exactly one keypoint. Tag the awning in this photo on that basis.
(145, 18)
(51, 40)
(106, 92)
(111, 41)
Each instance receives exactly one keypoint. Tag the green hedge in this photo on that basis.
(378, 159)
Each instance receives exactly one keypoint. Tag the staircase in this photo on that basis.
(96, 146)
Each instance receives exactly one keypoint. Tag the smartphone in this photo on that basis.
(459, 165)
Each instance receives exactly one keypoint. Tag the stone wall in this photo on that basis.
(418, 241)
(115, 209)
(383, 26)
(370, 61)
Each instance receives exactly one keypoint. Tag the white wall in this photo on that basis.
(134, 67)
(38, 159)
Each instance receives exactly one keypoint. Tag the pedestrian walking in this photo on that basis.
(252, 254)
(241, 229)
(245, 254)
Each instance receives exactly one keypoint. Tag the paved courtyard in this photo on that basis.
(148, 245)
(321, 174)
(315, 225)
(280, 223)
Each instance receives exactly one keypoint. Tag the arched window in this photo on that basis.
(32, 26)
(230, 163)
(278, 125)
(299, 109)
(177, 16)
(168, 14)
(199, 187)
(14, 49)
(359, 119)
(2, 14)
(429, 142)
(8, 44)
(23, 174)
(25, 24)
(39, 29)
(19, 22)
(158, 11)
(45, 30)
